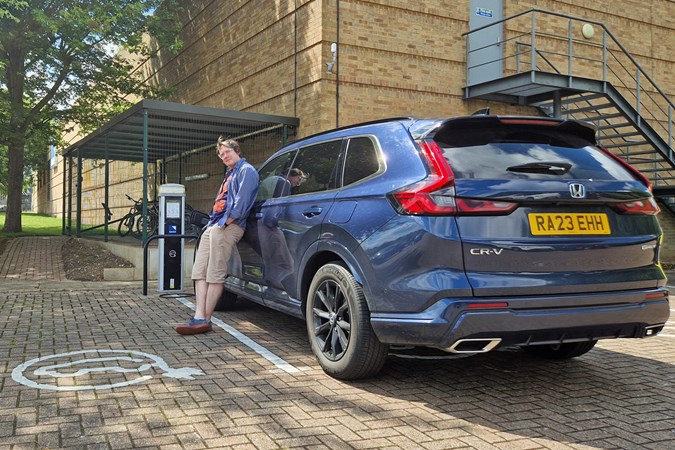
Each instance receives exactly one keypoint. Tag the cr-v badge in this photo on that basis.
(486, 251)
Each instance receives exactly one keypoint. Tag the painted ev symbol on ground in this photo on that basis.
(93, 364)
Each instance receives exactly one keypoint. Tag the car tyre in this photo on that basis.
(227, 301)
(338, 325)
(560, 351)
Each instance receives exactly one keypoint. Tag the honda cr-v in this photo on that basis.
(466, 234)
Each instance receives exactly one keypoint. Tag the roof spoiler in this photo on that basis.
(449, 128)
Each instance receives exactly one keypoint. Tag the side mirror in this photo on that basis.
(199, 219)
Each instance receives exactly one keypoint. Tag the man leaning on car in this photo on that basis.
(225, 228)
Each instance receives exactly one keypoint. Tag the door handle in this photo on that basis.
(259, 215)
(313, 211)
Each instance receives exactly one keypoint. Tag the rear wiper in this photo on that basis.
(557, 168)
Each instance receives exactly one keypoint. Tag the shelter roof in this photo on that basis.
(170, 129)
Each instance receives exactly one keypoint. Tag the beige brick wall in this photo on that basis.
(395, 57)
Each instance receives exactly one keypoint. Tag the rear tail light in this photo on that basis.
(435, 195)
(646, 206)
(477, 207)
(636, 173)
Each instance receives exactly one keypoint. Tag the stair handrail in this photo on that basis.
(580, 19)
(641, 73)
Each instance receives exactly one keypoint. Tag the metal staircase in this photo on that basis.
(575, 68)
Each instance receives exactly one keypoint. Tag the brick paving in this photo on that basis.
(33, 258)
(618, 396)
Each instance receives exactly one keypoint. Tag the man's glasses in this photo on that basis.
(221, 154)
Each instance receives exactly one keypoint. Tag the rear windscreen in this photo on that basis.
(529, 160)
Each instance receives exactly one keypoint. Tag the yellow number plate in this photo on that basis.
(568, 223)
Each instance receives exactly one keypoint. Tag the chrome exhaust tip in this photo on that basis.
(653, 330)
(473, 345)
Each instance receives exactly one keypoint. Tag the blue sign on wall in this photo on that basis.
(484, 12)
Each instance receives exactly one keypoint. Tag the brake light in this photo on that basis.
(435, 195)
(636, 173)
(528, 121)
(645, 206)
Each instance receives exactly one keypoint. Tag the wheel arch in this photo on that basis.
(323, 253)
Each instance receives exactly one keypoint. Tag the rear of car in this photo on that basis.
(523, 232)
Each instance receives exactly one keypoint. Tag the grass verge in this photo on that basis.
(34, 225)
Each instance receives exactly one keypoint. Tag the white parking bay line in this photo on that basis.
(250, 343)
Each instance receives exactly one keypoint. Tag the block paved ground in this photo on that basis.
(621, 395)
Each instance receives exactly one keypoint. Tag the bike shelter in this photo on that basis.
(116, 171)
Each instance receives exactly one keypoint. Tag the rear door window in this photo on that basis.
(273, 176)
(319, 165)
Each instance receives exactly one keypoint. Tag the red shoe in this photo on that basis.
(194, 326)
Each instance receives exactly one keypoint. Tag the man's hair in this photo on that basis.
(295, 172)
(231, 143)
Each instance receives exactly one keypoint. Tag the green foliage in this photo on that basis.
(62, 65)
(70, 54)
(7, 6)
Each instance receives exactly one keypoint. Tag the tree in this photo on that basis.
(60, 66)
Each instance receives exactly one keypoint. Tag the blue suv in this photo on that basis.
(466, 234)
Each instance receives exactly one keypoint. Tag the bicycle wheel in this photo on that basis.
(125, 226)
(150, 223)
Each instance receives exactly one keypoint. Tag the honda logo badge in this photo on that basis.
(577, 190)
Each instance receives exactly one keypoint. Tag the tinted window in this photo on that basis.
(533, 161)
(319, 164)
(361, 160)
(273, 177)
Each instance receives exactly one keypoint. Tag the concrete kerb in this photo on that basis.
(134, 254)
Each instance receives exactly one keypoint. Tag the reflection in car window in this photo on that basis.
(361, 160)
(319, 164)
(273, 178)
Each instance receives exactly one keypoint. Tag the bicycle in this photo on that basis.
(150, 222)
(134, 221)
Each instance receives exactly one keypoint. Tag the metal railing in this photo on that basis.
(539, 40)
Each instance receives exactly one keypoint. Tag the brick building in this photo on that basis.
(337, 62)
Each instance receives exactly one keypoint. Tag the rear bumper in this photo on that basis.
(603, 316)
